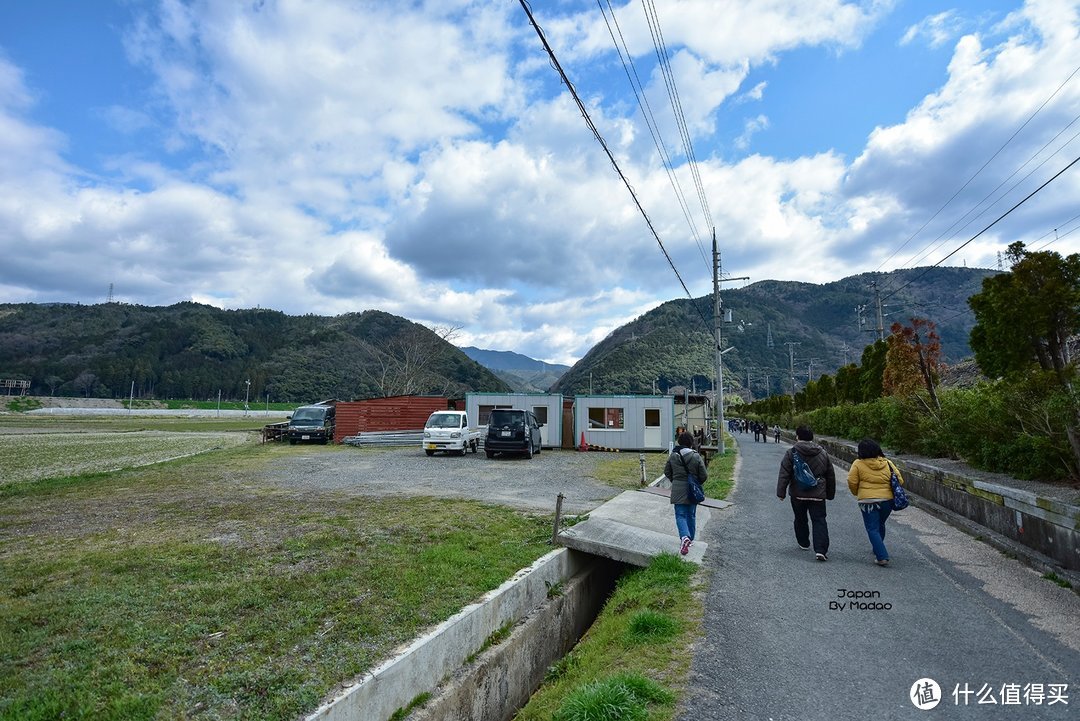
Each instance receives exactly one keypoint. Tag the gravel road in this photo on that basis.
(518, 482)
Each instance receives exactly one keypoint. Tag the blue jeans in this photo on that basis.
(686, 519)
(873, 517)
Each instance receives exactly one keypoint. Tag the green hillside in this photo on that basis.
(190, 350)
(672, 344)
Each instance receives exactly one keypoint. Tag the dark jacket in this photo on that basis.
(676, 470)
(819, 462)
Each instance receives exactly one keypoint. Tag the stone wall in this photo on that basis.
(1048, 525)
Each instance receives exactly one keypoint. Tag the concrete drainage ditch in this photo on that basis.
(548, 605)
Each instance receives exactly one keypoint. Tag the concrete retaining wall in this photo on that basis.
(1046, 525)
(440, 655)
(502, 679)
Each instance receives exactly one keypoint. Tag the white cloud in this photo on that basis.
(750, 127)
(328, 157)
(936, 29)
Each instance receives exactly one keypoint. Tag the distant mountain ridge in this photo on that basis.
(522, 373)
(778, 329)
(506, 360)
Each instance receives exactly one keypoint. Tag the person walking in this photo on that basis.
(683, 461)
(776, 433)
(869, 481)
(808, 502)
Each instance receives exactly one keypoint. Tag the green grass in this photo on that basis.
(254, 405)
(21, 404)
(722, 471)
(122, 423)
(196, 589)
(644, 631)
(39, 456)
(623, 470)
(625, 697)
(1053, 577)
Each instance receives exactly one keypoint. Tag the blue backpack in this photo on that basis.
(804, 477)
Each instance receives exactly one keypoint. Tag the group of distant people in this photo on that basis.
(760, 430)
(869, 480)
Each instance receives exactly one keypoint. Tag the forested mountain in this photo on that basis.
(522, 373)
(672, 344)
(190, 350)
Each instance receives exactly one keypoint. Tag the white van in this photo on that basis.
(449, 431)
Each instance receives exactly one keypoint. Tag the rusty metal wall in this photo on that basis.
(396, 413)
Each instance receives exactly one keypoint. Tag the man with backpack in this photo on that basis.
(807, 475)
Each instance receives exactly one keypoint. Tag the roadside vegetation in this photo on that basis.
(633, 662)
(1023, 418)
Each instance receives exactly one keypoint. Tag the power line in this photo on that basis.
(603, 144)
(650, 119)
(1001, 217)
(942, 238)
(653, 20)
(983, 167)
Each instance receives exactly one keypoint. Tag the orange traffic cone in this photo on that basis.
(583, 447)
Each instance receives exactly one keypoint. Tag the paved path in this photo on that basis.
(776, 646)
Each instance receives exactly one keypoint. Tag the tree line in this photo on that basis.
(1022, 418)
(194, 351)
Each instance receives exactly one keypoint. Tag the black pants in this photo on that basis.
(816, 512)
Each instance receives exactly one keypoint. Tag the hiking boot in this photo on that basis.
(685, 545)
(821, 557)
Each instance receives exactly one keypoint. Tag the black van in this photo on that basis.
(311, 423)
(511, 430)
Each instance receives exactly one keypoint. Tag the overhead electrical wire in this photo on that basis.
(650, 119)
(999, 219)
(981, 168)
(607, 151)
(914, 261)
(660, 46)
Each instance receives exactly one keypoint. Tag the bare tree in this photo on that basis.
(402, 366)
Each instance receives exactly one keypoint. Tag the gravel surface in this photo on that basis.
(528, 484)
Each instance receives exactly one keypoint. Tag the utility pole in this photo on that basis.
(719, 359)
(880, 318)
(719, 349)
(749, 393)
(791, 364)
(810, 370)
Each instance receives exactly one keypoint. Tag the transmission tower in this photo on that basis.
(768, 338)
(109, 297)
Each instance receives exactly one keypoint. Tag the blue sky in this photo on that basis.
(423, 159)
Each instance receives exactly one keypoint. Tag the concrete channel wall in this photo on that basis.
(1030, 518)
(550, 605)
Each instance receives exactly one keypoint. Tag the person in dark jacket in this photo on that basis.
(683, 461)
(808, 502)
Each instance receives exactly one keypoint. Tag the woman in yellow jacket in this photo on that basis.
(868, 480)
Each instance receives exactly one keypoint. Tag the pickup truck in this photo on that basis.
(449, 431)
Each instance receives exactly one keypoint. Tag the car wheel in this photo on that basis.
(529, 450)
(292, 441)
(490, 454)
(430, 453)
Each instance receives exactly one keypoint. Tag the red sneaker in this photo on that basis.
(685, 545)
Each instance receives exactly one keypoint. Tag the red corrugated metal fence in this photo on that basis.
(396, 413)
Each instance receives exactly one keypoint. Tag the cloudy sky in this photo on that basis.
(423, 158)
